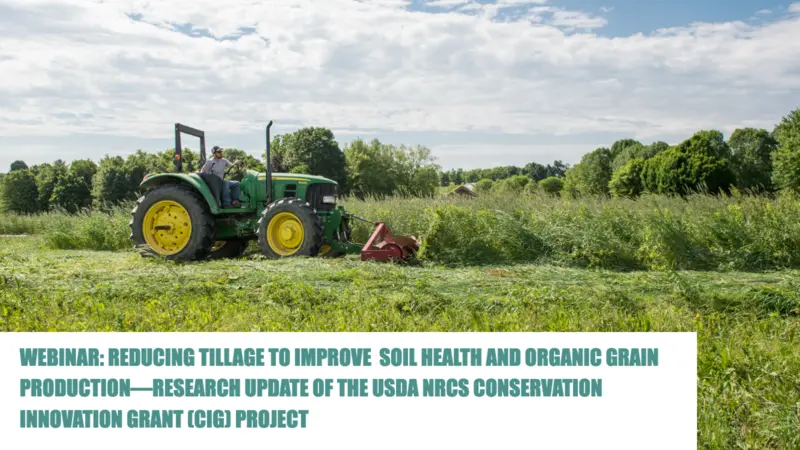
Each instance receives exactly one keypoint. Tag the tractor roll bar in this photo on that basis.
(177, 159)
(269, 169)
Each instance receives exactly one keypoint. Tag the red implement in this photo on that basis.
(383, 246)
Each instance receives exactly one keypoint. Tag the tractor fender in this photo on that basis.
(191, 180)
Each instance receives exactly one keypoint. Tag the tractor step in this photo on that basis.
(383, 246)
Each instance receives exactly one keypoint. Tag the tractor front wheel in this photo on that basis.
(288, 228)
(174, 222)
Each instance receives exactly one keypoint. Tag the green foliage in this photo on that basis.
(302, 169)
(627, 181)
(698, 164)
(462, 235)
(315, 148)
(15, 224)
(637, 150)
(704, 162)
(379, 170)
(247, 160)
(371, 169)
(73, 191)
(658, 233)
(622, 145)
(751, 157)
(592, 175)
(539, 172)
(93, 230)
(653, 232)
(18, 165)
(786, 159)
(19, 192)
(551, 185)
(140, 164)
(494, 174)
(653, 149)
(515, 184)
(47, 178)
(533, 170)
(484, 186)
(709, 142)
(788, 128)
(85, 169)
(112, 183)
(424, 181)
(163, 162)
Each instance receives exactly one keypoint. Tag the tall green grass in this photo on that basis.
(18, 224)
(87, 230)
(702, 232)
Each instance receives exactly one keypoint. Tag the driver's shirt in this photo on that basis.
(216, 166)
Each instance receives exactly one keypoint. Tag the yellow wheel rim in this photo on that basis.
(285, 234)
(167, 227)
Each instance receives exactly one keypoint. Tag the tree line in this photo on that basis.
(755, 160)
(361, 168)
(752, 159)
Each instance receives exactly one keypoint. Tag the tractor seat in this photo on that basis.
(215, 185)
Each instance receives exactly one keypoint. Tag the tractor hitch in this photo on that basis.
(383, 246)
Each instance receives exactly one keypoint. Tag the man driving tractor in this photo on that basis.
(217, 165)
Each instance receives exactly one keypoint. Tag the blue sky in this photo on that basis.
(482, 83)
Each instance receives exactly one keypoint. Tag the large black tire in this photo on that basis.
(233, 248)
(300, 211)
(201, 237)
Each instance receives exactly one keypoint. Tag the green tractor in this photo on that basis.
(180, 215)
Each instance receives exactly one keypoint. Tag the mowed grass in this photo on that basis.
(748, 324)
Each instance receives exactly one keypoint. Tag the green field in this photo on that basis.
(748, 324)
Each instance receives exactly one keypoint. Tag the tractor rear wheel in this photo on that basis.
(288, 228)
(233, 248)
(174, 222)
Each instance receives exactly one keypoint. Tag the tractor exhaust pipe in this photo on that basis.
(268, 198)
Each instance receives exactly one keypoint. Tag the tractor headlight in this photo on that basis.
(330, 199)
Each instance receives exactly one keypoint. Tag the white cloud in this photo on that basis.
(606, 9)
(520, 2)
(577, 20)
(794, 7)
(80, 66)
(446, 3)
(763, 12)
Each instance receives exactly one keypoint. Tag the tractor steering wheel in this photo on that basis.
(234, 166)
